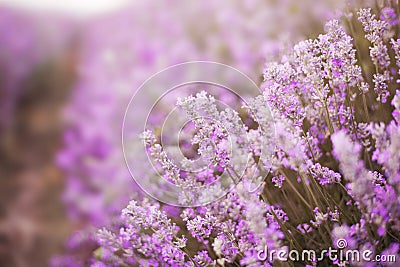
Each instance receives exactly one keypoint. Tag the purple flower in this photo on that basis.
(389, 15)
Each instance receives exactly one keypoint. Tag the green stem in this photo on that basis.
(282, 226)
(296, 191)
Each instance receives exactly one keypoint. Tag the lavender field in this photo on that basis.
(183, 133)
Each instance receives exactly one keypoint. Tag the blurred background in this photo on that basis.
(67, 72)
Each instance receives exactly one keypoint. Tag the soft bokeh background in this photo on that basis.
(67, 71)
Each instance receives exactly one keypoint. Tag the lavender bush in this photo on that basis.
(138, 46)
(119, 52)
(331, 169)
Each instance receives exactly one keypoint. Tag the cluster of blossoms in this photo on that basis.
(220, 233)
(325, 145)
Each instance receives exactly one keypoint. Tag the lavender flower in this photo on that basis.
(324, 175)
(377, 32)
(389, 15)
